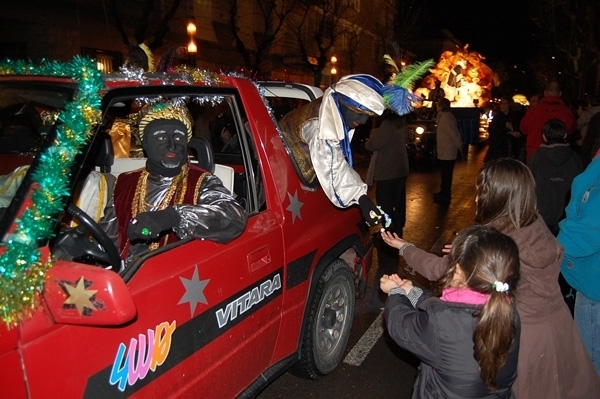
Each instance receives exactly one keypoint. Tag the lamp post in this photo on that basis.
(191, 47)
(333, 70)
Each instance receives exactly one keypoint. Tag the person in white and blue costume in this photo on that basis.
(327, 126)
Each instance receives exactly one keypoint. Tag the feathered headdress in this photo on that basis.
(387, 60)
(150, 56)
(398, 94)
(139, 56)
(365, 94)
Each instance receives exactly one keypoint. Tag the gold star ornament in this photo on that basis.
(79, 296)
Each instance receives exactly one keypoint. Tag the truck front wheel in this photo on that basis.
(330, 318)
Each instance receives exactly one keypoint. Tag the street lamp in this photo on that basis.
(333, 70)
(191, 47)
(191, 28)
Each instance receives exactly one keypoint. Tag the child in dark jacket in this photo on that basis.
(467, 336)
(554, 165)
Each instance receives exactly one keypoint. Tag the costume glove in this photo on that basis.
(370, 212)
(148, 226)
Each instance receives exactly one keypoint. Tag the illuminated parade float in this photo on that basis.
(464, 77)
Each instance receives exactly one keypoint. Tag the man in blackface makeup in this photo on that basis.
(170, 198)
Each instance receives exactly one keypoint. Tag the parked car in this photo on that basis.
(194, 318)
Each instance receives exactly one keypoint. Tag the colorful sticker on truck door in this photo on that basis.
(143, 354)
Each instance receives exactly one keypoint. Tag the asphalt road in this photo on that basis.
(374, 367)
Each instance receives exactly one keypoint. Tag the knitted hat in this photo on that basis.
(168, 111)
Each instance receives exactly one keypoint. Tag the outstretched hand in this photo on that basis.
(447, 249)
(392, 239)
(391, 281)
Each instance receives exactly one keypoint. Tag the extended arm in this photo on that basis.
(428, 265)
(411, 328)
(342, 184)
(216, 216)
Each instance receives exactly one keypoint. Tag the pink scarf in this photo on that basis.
(464, 295)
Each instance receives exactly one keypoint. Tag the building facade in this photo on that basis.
(309, 34)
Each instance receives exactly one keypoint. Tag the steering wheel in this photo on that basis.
(76, 241)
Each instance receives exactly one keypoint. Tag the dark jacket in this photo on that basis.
(441, 335)
(554, 167)
(499, 137)
(388, 141)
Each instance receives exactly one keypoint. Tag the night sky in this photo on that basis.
(500, 33)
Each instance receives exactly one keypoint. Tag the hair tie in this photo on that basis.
(500, 286)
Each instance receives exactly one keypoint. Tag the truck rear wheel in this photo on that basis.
(330, 318)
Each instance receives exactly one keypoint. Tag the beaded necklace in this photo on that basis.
(139, 204)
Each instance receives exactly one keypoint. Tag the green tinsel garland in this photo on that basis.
(22, 268)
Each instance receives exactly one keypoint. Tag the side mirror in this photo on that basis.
(76, 293)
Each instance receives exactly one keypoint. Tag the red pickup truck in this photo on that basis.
(195, 318)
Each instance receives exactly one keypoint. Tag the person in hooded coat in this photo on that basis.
(554, 165)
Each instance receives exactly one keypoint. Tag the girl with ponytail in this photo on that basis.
(467, 331)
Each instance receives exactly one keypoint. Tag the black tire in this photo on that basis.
(328, 324)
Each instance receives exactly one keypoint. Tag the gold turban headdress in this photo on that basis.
(167, 110)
